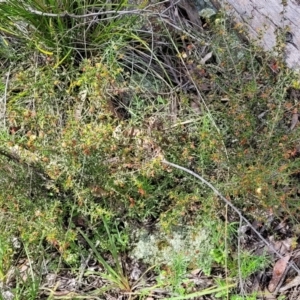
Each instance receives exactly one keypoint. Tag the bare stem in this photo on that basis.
(269, 245)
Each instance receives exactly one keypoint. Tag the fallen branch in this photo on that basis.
(14, 154)
(96, 14)
(28, 160)
(269, 245)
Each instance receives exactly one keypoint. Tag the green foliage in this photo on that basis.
(82, 142)
(213, 290)
(252, 263)
(178, 269)
(248, 297)
(115, 275)
(61, 29)
(6, 252)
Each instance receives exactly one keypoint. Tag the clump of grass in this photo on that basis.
(63, 30)
(115, 275)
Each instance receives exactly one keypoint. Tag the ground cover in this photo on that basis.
(97, 101)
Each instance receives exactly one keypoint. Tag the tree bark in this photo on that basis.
(267, 22)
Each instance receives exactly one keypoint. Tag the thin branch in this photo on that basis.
(88, 15)
(24, 161)
(145, 11)
(94, 14)
(269, 245)
(14, 156)
(5, 98)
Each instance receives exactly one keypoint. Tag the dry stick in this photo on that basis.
(119, 13)
(35, 167)
(291, 264)
(71, 15)
(93, 14)
(242, 290)
(5, 97)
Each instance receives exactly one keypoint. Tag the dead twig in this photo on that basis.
(269, 245)
(32, 164)
(3, 114)
(13, 155)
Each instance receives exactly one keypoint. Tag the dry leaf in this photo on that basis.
(295, 119)
(278, 272)
(206, 58)
(267, 295)
(196, 272)
(195, 106)
(291, 284)
(282, 246)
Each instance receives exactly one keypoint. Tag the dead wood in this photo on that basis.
(268, 22)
